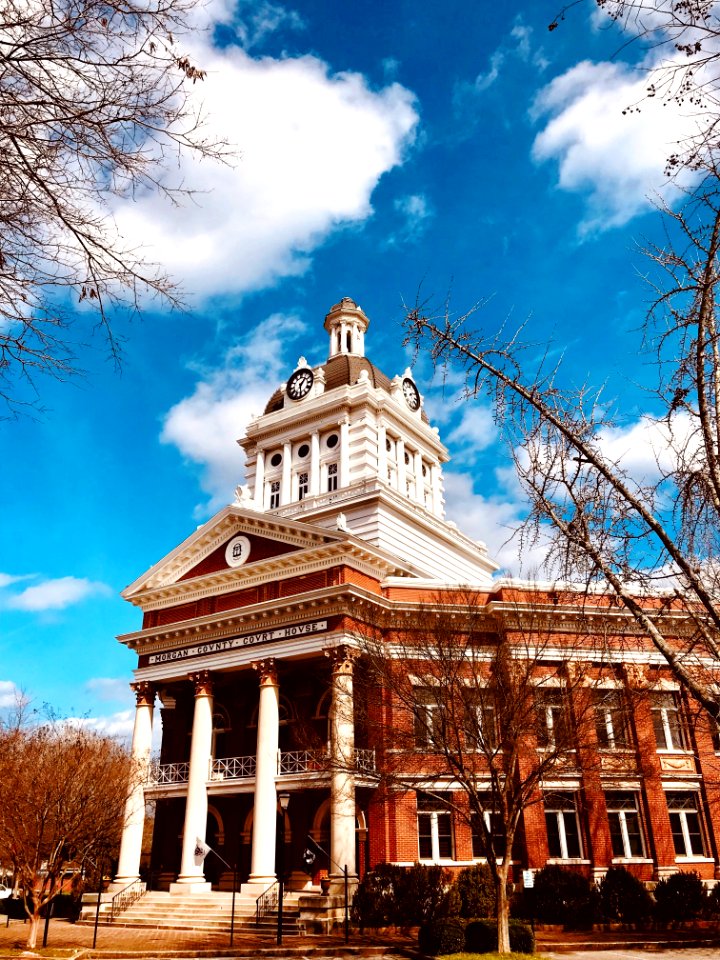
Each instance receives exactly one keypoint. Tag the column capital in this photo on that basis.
(343, 658)
(144, 693)
(267, 672)
(203, 683)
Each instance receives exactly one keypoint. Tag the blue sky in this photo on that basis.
(383, 148)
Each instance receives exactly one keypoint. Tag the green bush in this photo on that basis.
(563, 896)
(476, 890)
(442, 936)
(392, 896)
(623, 897)
(481, 937)
(680, 897)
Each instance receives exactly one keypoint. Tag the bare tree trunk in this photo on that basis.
(503, 909)
(34, 928)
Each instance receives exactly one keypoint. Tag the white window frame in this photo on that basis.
(332, 477)
(611, 706)
(560, 815)
(621, 814)
(682, 814)
(274, 494)
(433, 816)
(303, 484)
(665, 712)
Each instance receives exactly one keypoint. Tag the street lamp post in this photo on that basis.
(284, 800)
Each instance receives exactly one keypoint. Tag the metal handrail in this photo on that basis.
(233, 768)
(266, 902)
(125, 898)
(167, 773)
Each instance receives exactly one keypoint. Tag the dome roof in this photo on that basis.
(339, 371)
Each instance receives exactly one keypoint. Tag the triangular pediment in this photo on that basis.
(231, 541)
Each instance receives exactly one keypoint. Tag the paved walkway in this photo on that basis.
(62, 934)
(681, 953)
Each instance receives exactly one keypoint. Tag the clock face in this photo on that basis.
(299, 384)
(410, 391)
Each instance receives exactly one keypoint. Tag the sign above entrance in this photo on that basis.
(235, 643)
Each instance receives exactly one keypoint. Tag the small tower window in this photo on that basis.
(274, 494)
(332, 441)
(303, 485)
(332, 477)
(348, 342)
(303, 451)
(276, 460)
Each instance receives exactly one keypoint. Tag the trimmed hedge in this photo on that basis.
(623, 897)
(392, 896)
(561, 895)
(680, 897)
(481, 937)
(442, 936)
(476, 889)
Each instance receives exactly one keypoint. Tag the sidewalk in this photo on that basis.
(129, 940)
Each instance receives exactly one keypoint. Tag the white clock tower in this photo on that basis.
(342, 446)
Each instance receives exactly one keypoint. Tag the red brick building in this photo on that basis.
(249, 646)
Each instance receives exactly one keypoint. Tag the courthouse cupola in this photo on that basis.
(346, 323)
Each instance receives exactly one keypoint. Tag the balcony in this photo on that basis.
(289, 763)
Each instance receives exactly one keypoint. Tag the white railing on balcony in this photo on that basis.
(167, 773)
(365, 761)
(233, 768)
(299, 761)
(243, 768)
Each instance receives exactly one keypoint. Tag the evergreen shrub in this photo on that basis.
(476, 890)
(623, 897)
(481, 937)
(392, 896)
(680, 897)
(442, 936)
(563, 896)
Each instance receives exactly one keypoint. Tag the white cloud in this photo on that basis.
(56, 594)
(109, 688)
(118, 724)
(476, 430)
(312, 147)
(646, 447)
(203, 425)
(8, 579)
(617, 160)
(9, 694)
(518, 46)
(416, 212)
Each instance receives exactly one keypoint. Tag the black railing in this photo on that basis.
(125, 898)
(267, 902)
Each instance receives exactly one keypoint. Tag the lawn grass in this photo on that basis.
(492, 956)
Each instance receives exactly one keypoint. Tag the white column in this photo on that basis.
(401, 472)
(134, 823)
(419, 482)
(260, 479)
(344, 452)
(262, 865)
(314, 464)
(191, 876)
(285, 490)
(436, 491)
(382, 451)
(342, 775)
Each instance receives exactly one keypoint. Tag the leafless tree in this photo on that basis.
(64, 790)
(477, 711)
(635, 537)
(95, 102)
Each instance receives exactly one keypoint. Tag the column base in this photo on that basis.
(255, 886)
(337, 886)
(190, 885)
(119, 883)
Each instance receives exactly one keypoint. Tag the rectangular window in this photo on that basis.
(625, 827)
(427, 717)
(668, 722)
(563, 827)
(435, 835)
(274, 494)
(685, 823)
(554, 728)
(493, 824)
(612, 722)
(332, 477)
(481, 724)
(303, 485)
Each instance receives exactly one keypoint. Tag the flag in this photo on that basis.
(308, 857)
(201, 849)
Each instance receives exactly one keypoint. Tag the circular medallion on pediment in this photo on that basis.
(237, 551)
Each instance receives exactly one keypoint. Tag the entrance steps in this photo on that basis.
(209, 912)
